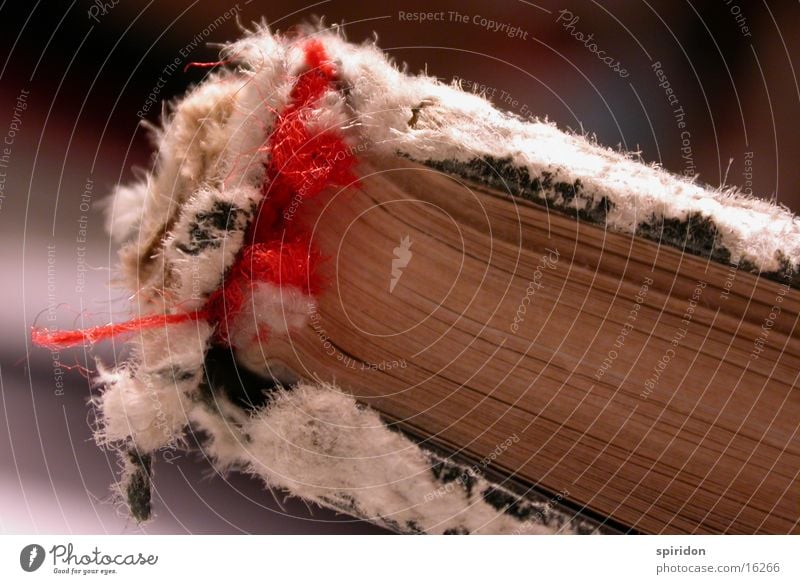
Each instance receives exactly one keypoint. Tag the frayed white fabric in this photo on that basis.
(184, 225)
(419, 117)
(316, 442)
(147, 400)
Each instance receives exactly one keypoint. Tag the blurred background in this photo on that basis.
(76, 77)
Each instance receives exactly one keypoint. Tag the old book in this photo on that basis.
(649, 385)
(574, 339)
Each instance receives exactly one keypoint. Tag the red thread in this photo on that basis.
(302, 164)
(54, 340)
(283, 263)
(205, 64)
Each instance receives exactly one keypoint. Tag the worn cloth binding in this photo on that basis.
(212, 250)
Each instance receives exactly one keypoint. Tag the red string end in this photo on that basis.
(57, 339)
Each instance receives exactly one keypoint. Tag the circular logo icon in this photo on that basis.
(31, 557)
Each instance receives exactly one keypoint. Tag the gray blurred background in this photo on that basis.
(75, 74)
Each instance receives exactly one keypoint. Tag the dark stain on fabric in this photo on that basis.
(138, 489)
(447, 473)
(210, 228)
(696, 233)
(545, 189)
